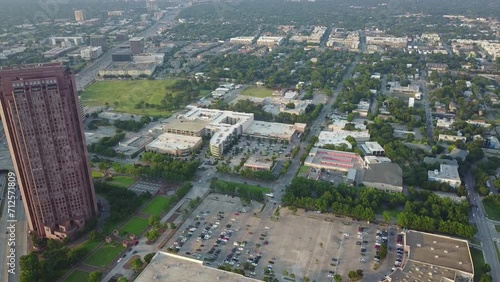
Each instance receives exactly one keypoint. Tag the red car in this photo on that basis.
(266, 242)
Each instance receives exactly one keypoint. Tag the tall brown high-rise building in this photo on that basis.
(80, 16)
(41, 117)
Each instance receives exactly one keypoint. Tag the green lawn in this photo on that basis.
(105, 254)
(77, 276)
(122, 181)
(134, 226)
(478, 260)
(96, 174)
(157, 205)
(127, 93)
(89, 245)
(492, 212)
(259, 92)
(304, 170)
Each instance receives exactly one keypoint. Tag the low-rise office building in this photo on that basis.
(431, 257)
(384, 176)
(446, 174)
(128, 69)
(270, 41)
(175, 144)
(451, 138)
(91, 53)
(338, 137)
(135, 145)
(243, 40)
(333, 160)
(373, 148)
(271, 130)
(258, 163)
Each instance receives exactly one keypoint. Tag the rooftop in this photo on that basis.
(387, 173)
(439, 251)
(445, 171)
(339, 136)
(271, 129)
(332, 159)
(169, 141)
(184, 124)
(168, 267)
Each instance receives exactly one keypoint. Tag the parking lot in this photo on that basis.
(223, 232)
(259, 148)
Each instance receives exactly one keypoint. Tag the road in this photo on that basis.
(89, 74)
(484, 226)
(428, 116)
(287, 178)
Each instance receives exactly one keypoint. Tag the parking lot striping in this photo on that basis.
(341, 245)
(316, 245)
(325, 247)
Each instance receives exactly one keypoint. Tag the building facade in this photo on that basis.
(79, 16)
(41, 116)
(136, 45)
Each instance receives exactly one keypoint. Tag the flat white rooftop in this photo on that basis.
(168, 268)
(169, 141)
(271, 129)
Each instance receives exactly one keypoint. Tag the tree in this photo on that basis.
(337, 278)
(149, 257)
(95, 276)
(94, 235)
(387, 216)
(486, 268)
(137, 264)
(154, 220)
(30, 268)
(290, 105)
(353, 275)
(152, 234)
(172, 225)
(122, 279)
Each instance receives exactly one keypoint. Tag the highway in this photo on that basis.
(484, 226)
(89, 74)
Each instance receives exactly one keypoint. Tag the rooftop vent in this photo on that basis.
(432, 248)
(445, 251)
(460, 262)
(419, 245)
(456, 246)
(434, 242)
(436, 256)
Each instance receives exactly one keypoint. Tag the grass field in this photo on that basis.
(478, 260)
(134, 226)
(157, 205)
(89, 245)
(97, 174)
(260, 92)
(77, 276)
(127, 93)
(304, 170)
(105, 254)
(492, 212)
(122, 181)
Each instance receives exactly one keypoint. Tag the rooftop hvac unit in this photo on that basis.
(456, 246)
(419, 245)
(436, 256)
(460, 262)
(434, 242)
(445, 251)
(432, 248)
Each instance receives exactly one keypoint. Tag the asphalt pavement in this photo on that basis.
(484, 226)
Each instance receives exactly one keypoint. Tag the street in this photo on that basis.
(484, 226)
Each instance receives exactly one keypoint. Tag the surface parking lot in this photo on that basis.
(255, 147)
(221, 231)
